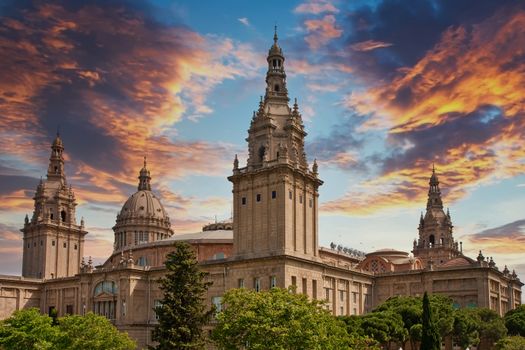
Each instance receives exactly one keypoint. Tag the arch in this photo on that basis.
(105, 287)
(431, 239)
(63, 215)
(276, 88)
(262, 150)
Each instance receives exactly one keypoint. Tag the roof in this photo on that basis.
(205, 235)
(457, 262)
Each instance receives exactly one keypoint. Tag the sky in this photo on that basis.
(386, 88)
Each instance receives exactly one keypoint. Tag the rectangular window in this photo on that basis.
(314, 289)
(65, 244)
(156, 303)
(311, 202)
(273, 282)
(305, 288)
(341, 311)
(274, 194)
(327, 294)
(243, 200)
(290, 194)
(342, 295)
(241, 282)
(75, 247)
(257, 284)
(294, 283)
(53, 243)
(301, 199)
(258, 197)
(217, 303)
(69, 309)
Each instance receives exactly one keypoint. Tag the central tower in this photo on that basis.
(275, 197)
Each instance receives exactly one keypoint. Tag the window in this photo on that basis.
(294, 283)
(69, 309)
(301, 199)
(341, 311)
(143, 261)
(217, 303)
(241, 282)
(156, 304)
(304, 286)
(53, 243)
(41, 243)
(273, 282)
(314, 289)
(354, 297)
(257, 284)
(342, 295)
(28, 245)
(243, 200)
(327, 294)
(124, 308)
(258, 197)
(107, 287)
(274, 194)
(290, 194)
(217, 256)
(75, 247)
(63, 215)
(65, 245)
(311, 202)
(276, 88)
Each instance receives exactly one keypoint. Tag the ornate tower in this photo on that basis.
(435, 242)
(275, 196)
(53, 242)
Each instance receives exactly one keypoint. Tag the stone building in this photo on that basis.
(271, 242)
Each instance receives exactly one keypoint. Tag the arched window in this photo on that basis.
(262, 149)
(276, 88)
(63, 215)
(105, 287)
(431, 239)
(105, 299)
(143, 261)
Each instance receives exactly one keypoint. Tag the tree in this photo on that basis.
(91, 332)
(491, 326)
(511, 343)
(182, 313)
(277, 319)
(385, 327)
(466, 328)
(430, 339)
(515, 321)
(28, 329)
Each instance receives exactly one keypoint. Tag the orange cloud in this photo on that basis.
(321, 31)
(472, 79)
(369, 45)
(316, 7)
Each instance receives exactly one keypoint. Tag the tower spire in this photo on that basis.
(144, 178)
(55, 171)
(276, 90)
(434, 194)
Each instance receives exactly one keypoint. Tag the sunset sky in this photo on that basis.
(385, 87)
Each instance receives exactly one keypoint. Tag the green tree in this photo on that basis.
(385, 327)
(182, 313)
(515, 321)
(28, 329)
(491, 326)
(466, 328)
(277, 319)
(430, 338)
(511, 343)
(91, 332)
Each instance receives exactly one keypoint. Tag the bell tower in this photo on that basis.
(53, 242)
(436, 241)
(275, 197)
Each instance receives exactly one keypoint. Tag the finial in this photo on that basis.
(236, 163)
(315, 167)
(275, 34)
(58, 130)
(145, 161)
(433, 167)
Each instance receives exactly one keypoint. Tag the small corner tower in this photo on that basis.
(53, 242)
(436, 242)
(275, 197)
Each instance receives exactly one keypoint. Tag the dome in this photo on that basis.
(144, 204)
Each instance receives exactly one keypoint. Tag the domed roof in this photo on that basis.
(145, 204)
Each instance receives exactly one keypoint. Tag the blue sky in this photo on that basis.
(386, 88)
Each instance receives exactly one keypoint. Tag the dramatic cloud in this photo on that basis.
(461, 105)
(11, 249)
(506, 239)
